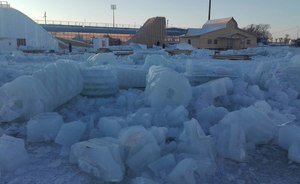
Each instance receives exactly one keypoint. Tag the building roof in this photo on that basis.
(210, 26)
(217, 23)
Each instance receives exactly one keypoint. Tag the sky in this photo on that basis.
(282, 15)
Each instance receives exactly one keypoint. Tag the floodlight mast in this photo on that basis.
(113, 8)
(45, 17)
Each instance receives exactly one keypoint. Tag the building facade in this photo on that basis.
(87, 32)
(220, 34)
(153, 32)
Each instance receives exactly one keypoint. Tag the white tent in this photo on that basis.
(14, 25)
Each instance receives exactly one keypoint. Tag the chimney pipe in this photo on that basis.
(209, 11)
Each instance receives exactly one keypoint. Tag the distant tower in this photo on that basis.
(45, 17)
(209, 10)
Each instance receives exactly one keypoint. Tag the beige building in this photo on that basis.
(220, 34)
(153, 32)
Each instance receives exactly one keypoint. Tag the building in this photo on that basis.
(220, 34)
(153, 32)
(19, 32)
(85, 31)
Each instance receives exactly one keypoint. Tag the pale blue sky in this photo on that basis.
(282, 15)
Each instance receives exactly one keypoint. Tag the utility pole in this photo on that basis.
(45, 17)
(113, 7)
(297, 32)
(209, 10)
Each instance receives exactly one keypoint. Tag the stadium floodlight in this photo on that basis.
(113, 7)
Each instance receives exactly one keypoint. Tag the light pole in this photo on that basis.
(113, 7)
(45, 17)
(209, 10)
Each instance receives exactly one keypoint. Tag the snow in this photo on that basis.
(12, 153)
(43, 127)
(240, 127)
(167, 87)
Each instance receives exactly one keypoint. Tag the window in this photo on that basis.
(189, 42)
(21, 42)
(209, 41)
(215, 41)
(248, 42)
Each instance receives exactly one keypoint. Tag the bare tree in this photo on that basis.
(287, 39)
(260, 30)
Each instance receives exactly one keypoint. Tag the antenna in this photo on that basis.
(209, 10)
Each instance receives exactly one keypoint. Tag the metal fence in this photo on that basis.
(83, 24)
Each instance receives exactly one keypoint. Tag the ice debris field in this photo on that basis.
(150, 118)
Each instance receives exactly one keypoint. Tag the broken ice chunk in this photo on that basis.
(294, 152)
(110, 126)
(288, 135)
(43, 127)
(101, 158)
(163, 165)
(12, 153)
(167, 87)
(70, 133)
(141, 180)
(184, 172)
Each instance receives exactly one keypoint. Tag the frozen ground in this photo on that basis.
(264, 163)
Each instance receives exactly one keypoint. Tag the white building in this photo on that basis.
(100, 42)
(19, 32)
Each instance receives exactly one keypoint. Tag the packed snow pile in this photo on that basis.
(99, 81)
(102, 59)
(167, 87)
(12, 153)
(47, 89)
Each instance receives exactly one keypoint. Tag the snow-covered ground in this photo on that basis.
(238, 121)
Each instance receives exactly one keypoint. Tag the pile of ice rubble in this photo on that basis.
(179, 134)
